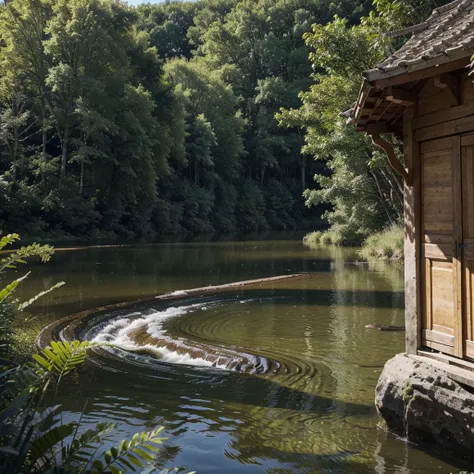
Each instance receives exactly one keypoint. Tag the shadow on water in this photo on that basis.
(316, 297)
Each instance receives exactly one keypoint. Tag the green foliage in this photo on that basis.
(63, 357)
(35, 440)
(8, 290)
(393, 15)
(12, 311)
(250, 209)
(33, 437)
(122, 122)
(317, 238)
(19, 256)
(279, 206)
(189, 117)
(361, 190)
(44, 252)
(115, 120)
(132, 454)
(385, 245)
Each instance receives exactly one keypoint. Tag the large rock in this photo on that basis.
(424, 403)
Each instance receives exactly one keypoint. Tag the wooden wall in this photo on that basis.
(444, 112)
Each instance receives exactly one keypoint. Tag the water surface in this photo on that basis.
(311, 412)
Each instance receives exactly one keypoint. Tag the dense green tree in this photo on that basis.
(118, 121)
(204, 92)
(213, 143)
(24, 70)
(168, 24)
(361, 188)
(103, 138)
(259, 46)
(210, 11)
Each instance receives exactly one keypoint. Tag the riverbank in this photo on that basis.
(386, 245)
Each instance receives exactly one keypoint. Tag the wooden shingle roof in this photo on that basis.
(447, 35)
(443, 43)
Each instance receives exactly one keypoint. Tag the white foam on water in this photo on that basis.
(117, 333)
(178, 293)
(246, 301)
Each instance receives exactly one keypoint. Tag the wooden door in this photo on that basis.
(441, 235)
(467, 157)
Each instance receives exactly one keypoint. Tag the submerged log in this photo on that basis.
(67, 328)
(214, 289)
(382, 327)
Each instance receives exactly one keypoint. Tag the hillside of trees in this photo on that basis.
(191, 117)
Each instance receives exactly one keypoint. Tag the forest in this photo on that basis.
(186, 118)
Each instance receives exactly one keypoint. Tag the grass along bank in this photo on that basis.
(385, 245)
(326, 237)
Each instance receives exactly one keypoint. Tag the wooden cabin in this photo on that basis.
(424, 95)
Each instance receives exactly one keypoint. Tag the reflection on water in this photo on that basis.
(312, 412)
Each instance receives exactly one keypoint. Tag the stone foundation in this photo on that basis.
(426, 403)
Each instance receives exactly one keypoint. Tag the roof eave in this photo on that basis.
(362, 98)
(403, 74)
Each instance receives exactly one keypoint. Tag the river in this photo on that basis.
(312, 411)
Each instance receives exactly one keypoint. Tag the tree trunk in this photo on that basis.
(303, 174)
(395, 191)
(383, 198)
(16, 138)
(44, 139)
(64, 154)
(81, 182)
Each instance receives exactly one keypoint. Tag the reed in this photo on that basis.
(385, 245)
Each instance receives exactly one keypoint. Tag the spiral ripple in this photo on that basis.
(220, 332)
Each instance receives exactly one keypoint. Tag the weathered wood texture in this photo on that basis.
(458, 236)
(433, 98)
(445, 111)
(418, 75)
(412, 235)
(467, 153)
(440, 230)
(444, 128)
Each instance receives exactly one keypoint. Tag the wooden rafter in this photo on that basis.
(399, 96)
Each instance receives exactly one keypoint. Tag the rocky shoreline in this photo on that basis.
(428, 404)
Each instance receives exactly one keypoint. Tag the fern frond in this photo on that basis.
(25, 304)
(63, 357)
(134, 454)
(82, 449)
(29, 378)
(43, 445)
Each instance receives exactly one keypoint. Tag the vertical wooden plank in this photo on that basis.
(467, 191)
(412, 247)
(468, 302)
(468, 233)
(457, 240)
(428, 323)
(467, 169)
